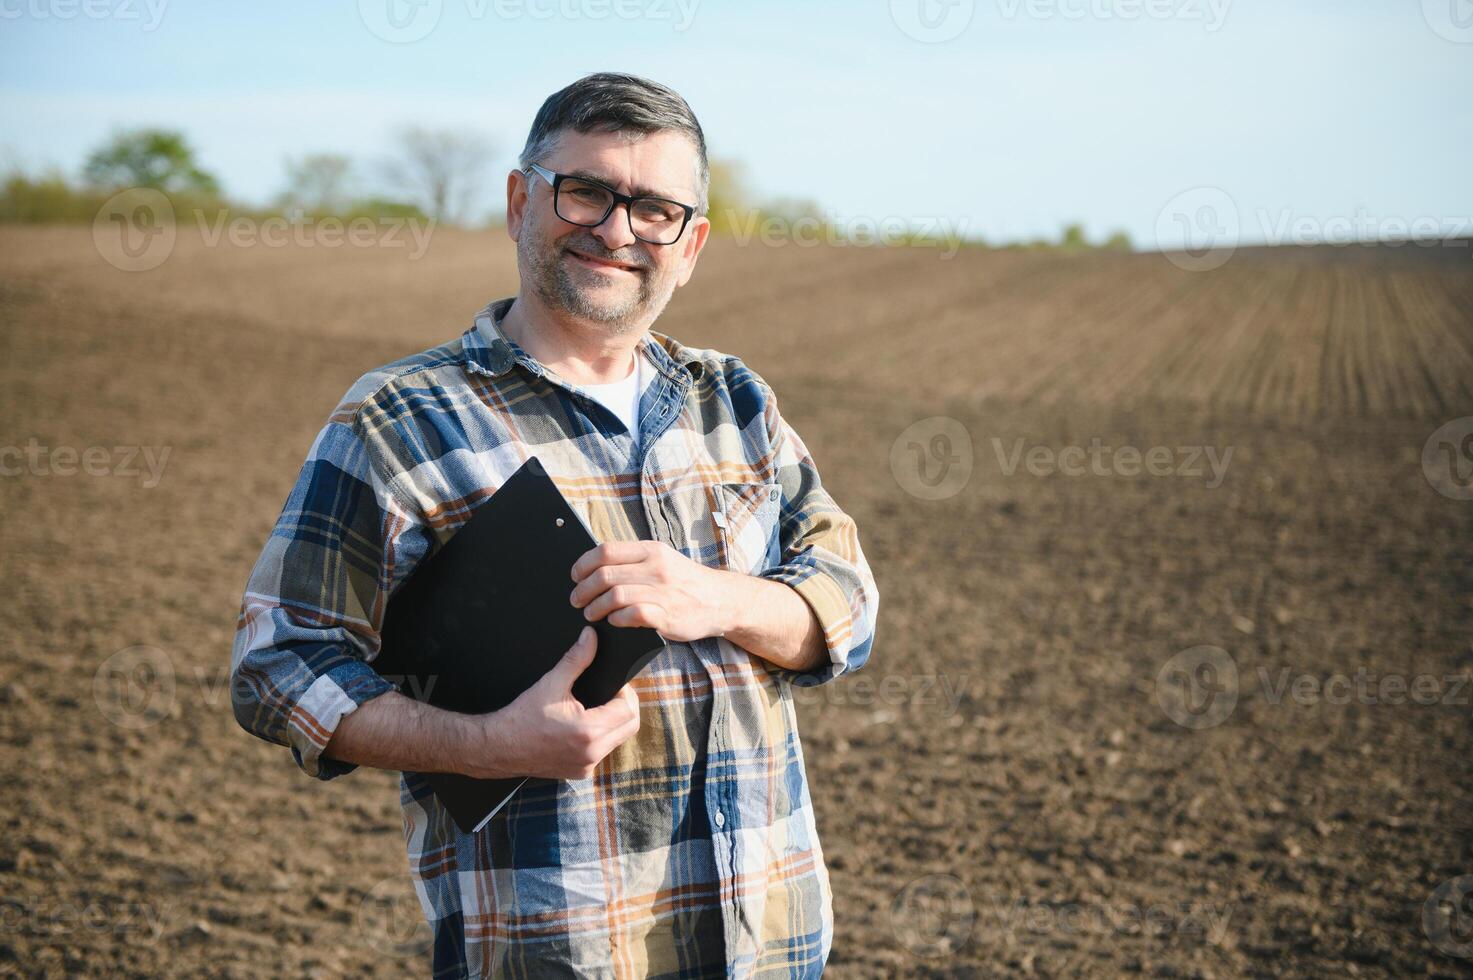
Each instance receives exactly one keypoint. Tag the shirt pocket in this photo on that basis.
(746, 517)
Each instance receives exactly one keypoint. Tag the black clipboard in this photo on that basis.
(487, 614)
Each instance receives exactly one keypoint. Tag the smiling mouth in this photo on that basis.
(603, 264)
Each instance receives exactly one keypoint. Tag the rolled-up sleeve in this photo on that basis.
(821, 558)
(310, 618)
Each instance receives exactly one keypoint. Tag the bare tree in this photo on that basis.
(318, 181)
(442, 169)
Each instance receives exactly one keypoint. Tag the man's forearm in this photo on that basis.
(771, 620)
(392, 731)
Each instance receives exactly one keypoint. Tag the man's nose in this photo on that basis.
(614, 232)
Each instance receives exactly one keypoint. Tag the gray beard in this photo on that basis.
(556, 284)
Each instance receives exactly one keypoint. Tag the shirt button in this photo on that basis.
(720, 819)
(774, 492)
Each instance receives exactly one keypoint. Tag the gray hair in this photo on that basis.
(613, 102)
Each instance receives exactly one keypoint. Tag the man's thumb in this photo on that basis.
(578, 657)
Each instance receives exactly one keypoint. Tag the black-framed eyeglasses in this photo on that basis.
(585, 202)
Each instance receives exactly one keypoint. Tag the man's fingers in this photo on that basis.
(649, 614)
(618, 736)
(621, 597)
(605, 578)
(575, 661)
(609, 553)
(620, 709)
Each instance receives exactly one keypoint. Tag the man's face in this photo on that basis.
(605, 275)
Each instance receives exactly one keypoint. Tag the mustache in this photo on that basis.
(593, 249)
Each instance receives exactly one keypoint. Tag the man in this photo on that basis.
(673, 834)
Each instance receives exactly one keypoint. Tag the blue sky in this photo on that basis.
(1005, 119)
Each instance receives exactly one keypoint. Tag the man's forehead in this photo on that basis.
(661, 164)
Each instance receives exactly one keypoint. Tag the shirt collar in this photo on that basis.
(486, 350)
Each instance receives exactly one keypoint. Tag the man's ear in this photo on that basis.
(516, 202)
(695, 240)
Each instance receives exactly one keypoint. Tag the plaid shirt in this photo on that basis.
(692, 850)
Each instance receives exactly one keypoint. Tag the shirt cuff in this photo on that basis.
(827, 599)
(319, 710)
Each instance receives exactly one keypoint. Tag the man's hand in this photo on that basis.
(649, 583)
(544, 732)
(547, 732)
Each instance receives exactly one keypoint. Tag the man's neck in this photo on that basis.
(575, 351)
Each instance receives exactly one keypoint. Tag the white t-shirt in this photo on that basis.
(622, 397)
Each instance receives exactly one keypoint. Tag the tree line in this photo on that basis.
(429, 173)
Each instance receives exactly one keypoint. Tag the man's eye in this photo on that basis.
(656, 211)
